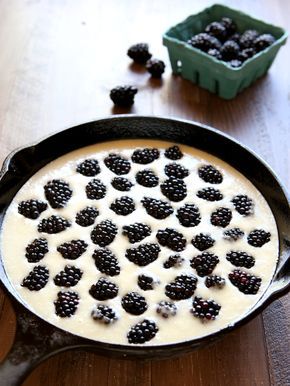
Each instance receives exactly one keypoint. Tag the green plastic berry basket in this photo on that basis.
(210, 73)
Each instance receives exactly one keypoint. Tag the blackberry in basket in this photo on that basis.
(217, 30)
(230, 50)
(203, 41)
(263, 41)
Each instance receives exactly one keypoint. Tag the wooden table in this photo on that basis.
(58, 61)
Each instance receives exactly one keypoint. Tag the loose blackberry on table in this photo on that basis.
(214, 281)
(247, 283)
(144, 254)
(36, 250)
(104, 314)
(157, 208)
(31, 209)
(182, 287)
(142, 332)
(243, 204)
(221, 217)
(89, 168)
(210, 174)
(258, 237)
(166, 309)
(240, 259)
(123, 206)
(174, 189)
(145, 156)
(233, 234)
(189, 215)
(139, 53)
(146, 282)
(66, 303)
(123, 96)
(173, 261)
(155, 67)
(104, 233)
(204, 263)
(36, 279)
(173, 152)
(122, 184)
(72, 250)
(57, 193)
(87, 216)
(106, 262)
(147, 178)
(104, 289)
(205, 309)
(95, 189)
(202, 241)
(69, 277)
(117, 164)
(176, 170)
(171, 239)
(136, 232)
(53, 224)
(134, 303)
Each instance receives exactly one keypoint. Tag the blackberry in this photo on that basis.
(176, 170)
(145, 156)
(209, 173)
(202, 242)
(136, 232)
(246, 54)
(171, 239)
(215, 53)
(166, 309)
(147, 178)
(240, 259)
(123, 206)
(106, 262)
(230, 50)
(123, 96)
(173, 261)
(89, 168)
(139, 53)
(235, 37)
(36, 250)
(189, 215)
(157, 208)
(145, 282)
(263, 41)
(95, 189)
(233, 234)
(142, 332)
(104, 289)
(87, 216)
(73, 249)
(214, 281)
(117, 164)
(247, 38)
(173, 153)
(174, 189)
(144, 254)
(69, 277)
(53, 224)
(205, 309)
(221, 217)
(66, 303)
(204, 263)
(134, 303)
(203, 41)
(235, 63)
(104, 233)
(258, 237)
(122, 184)
(210, 194)
(57, 193)
(181, 288)
(229, 25)
(31, 208)
(217, 30)
(243, 204)
(36, 279)
(155, 67)
(104, 314)
(245, 282)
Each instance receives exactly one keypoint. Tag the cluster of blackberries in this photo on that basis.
(123, 96)
(222, 40)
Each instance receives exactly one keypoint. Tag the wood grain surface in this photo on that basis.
(58, 61)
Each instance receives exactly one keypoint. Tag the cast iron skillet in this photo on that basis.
(36, 339)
